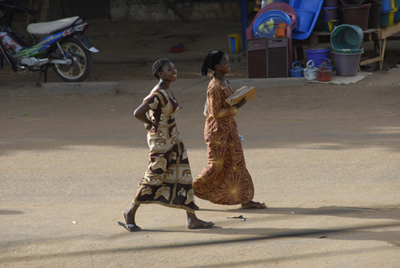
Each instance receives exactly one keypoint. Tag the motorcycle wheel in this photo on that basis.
(81, 64)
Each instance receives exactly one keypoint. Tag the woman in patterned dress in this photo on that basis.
(225, 180)
(167, 180)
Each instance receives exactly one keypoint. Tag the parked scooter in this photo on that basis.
(59, 44)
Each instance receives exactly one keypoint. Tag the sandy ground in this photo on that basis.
(325, 159)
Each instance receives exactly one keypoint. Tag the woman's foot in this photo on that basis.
(130, 224)
(198, 224)
(253, 204)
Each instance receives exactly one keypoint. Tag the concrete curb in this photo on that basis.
(143, 86)
(80, 88)
(260, 83)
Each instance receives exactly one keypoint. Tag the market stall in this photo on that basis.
(320, 39)
(347, 26)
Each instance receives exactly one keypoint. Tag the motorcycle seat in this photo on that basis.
(51, 26)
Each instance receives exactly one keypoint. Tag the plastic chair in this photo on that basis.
(288, 10)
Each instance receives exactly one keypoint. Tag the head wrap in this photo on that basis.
(212, 59)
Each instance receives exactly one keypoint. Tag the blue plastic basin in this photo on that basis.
(266, 24)
(304, 20)
(346, 36)
(317, 54)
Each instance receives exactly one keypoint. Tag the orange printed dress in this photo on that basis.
(225, 180)
(168, 179)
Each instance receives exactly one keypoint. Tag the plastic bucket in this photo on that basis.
(387, 18)
(346, 64)
(357, 15)
(397, 14)
(317, 54)
(234, 43)
(360, 50)
(304, 20)
(330, 25)
(388, 5)
(374, 15)
(352, 2)
(347, 36)
(331, 13)
(331, 3)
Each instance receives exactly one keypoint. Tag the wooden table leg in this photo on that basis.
(382, 54)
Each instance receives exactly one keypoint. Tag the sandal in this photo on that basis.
(203, 225)
(253, 204)
(130, 227)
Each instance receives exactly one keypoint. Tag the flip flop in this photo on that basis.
(204, 225)
(130, 227)
(255, 205)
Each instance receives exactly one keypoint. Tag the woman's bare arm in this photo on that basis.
(141, 114)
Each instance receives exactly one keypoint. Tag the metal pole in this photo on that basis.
(243, 7)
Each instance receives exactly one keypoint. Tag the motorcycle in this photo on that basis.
(60, 45)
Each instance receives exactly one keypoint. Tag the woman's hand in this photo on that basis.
(240, 103)
(141, 114)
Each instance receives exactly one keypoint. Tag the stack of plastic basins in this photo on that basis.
(332, 14)
(356, 14)
(388, 10)
(346, 42)
(374, 14)
(397, 14)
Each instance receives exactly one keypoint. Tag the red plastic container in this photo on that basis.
(324, 73)
(177, 50)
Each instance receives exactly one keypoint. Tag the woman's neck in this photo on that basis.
(164, 84)
(220, 76)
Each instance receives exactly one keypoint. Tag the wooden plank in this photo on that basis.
(366, 62)
(391, 30)
(371, 35)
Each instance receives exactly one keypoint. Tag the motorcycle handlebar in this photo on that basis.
(17, 8)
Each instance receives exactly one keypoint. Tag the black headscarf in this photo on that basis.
(212, 59)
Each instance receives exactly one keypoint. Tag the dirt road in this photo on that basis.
(324, 158)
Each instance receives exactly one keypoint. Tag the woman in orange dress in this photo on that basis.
(168, 179)
(225, 180)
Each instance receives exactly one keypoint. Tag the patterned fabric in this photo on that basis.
(168, 179)
(225, 180)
